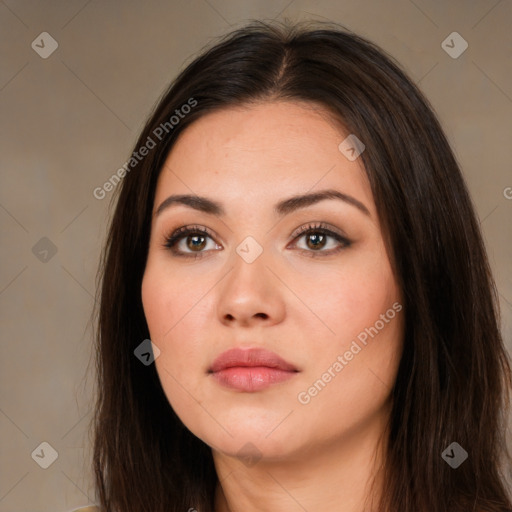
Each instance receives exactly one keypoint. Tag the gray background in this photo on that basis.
(69, 121)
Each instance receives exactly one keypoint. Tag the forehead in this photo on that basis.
(262, 152)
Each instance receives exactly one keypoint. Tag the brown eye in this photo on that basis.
(189, 241)
(196, 242)
(315, 240)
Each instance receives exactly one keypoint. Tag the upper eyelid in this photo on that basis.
(312, 225)
(320, 226)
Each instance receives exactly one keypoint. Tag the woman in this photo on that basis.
(296, 308)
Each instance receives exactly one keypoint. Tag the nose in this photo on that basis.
(251, 293)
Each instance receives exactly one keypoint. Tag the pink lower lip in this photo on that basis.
(251, 378)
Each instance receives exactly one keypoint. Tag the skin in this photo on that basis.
(321, 455)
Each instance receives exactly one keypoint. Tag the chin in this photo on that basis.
(252, 449)
(248, 440)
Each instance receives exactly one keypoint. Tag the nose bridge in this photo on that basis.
(248, 262)
(252, 237)
(250, 290)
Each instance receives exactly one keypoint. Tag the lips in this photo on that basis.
(250, 369)
(250, 357)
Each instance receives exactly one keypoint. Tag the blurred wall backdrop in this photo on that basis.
(77, 80)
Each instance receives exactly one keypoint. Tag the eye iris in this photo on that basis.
(194, 246)
(318, 237)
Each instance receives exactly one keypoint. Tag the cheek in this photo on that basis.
(178, 312)
(170, 300)
(175, 316)
(351, 296)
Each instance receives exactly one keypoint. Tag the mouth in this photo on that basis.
(250, 370)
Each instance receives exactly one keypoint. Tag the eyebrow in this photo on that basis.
(282, 208)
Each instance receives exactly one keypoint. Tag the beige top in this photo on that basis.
(89, 508)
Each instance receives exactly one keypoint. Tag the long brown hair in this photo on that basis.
(454, 378)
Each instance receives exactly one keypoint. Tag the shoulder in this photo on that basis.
(89, 508)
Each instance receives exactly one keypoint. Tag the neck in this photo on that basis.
(343, 475)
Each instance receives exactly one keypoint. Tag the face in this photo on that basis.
(302, 289)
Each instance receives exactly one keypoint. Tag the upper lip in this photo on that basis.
(250, 357)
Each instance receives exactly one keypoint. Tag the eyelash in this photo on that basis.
(181, 233)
